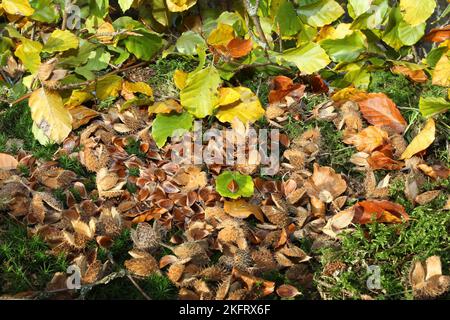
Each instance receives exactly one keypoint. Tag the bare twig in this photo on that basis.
(252, 11)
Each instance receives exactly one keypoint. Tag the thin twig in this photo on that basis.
(138, 287)
(252, 11)
(85, 83)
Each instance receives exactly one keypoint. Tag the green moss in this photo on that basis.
(157, 287)
(397, 87)
(25, 263)
(162, 78)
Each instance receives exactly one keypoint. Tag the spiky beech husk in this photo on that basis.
(146, 237)
(192, 250)
(276, 216)
(332, 267)
(223, 288)
(271, 240)
(264, 259)
(240, 294)
(242, 260)
(175, 272)
(213, 273)
(142, 267)
(433, 288)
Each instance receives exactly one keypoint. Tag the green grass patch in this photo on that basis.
(25, 262)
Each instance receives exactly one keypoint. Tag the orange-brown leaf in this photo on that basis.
(7, 162)
(381, 111)
(415, 75)
(438, 34)
(380, 211)
(379, 160)
(238, 48)
(242, 209)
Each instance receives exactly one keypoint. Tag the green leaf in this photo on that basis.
(417, 12)
(200, 95)
(321, 13)
(99, 8)
(308, 59)
(399, 33)
(60, 41)
(433, 105)
(45, 11)
(125, 4)
(435, 55)
(245, 186)
(287, 19)
(358, 7)
(346, 49)
(145, 46)
(170, 125)
(79, 56)
(188, 41)
(374, 17)
(98, 60)
(29, 53)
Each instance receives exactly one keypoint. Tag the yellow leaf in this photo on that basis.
(228, 96)
(179, 78)
(165, 107)
(77, 98)
(180, 5)
(422, 141)
(416, 12)
(49, 115)
(441, 74)
(220, 36)
(61, 40)
(242, 209)
(346, 94)
(105, 32)
(29, 53)
(247, 108)
(18, 7)
(128, 88)
(108, 87)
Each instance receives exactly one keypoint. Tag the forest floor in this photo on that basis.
(336, 271)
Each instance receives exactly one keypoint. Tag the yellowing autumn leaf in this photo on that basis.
(180, 5)
(60, 41)
(108, 87)
(49, 115)
(441, 74)
(128, 88)
(228, 96)
(179, 78)
(165, 107)
(422, 141)
(200, 95)
(29, 53)
(17, 7)
(221, 36)
(416, 12)
(247, 108)
(242, 209)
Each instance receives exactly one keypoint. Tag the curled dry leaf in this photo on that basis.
(380, 211)
(427, 197)
(325, 184)
(368, 139)
(338, 222)
(438, 34)
(242, 209)
(7, 162)
(287, 291)
(418, 76)
(427, 280)
(435, 171)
